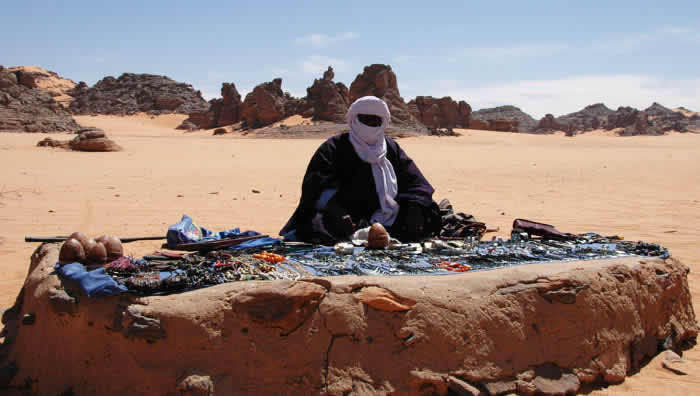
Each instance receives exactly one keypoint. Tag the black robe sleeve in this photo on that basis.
(321, 174)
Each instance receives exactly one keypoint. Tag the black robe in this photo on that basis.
(336, 165)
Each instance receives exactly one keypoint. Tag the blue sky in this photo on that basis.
(543, 56)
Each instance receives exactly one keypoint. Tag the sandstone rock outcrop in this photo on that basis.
(36, 77)
(221, 111)
(380, 81)
(24, 108)
(87, 139)
(132, 93)
(532, 329)
(502, 118)
(440, 112)
(328, 101)
(267, 104)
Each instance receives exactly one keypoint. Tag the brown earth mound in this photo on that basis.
(132, 93)
(544, 328)
(440, 112)
(35, 77)
(24, 108)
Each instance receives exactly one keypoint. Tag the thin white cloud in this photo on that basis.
(317, 64)
(320, 40)
(607, 45)
(517, 51)
(562, 96)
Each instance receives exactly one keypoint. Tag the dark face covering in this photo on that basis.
(370, 120)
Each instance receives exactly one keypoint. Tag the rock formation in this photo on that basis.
(380, 81)
(88, 139)
(133, 93)
(24, 108)
(221, 112)
(35, 77)
(502, 118)
(440, 112)
(537, 329)
(327, 100)
(655, 120)
(591, 117)
(549, 124)
(267, 104)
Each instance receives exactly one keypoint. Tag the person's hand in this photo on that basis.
(337, 220)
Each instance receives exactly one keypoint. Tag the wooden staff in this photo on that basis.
(63, 238)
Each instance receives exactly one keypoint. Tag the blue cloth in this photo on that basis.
(256, 243)
(186, 231)
(95, 283)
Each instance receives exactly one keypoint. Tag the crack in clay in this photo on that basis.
(317, 310)
(328, 350)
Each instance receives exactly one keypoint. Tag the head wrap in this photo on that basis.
(370, 145)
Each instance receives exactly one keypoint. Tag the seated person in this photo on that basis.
(361, 177)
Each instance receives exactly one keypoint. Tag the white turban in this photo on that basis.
(370, 146)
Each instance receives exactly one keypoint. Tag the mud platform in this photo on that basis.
(544, 328)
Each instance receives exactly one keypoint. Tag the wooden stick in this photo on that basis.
(62, 238)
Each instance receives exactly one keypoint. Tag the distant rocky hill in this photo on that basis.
(36, 77)
(26, 108)
(502, 118)
(326, 101)
(132, 93)
(654, 120)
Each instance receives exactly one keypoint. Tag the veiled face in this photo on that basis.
(370, 120)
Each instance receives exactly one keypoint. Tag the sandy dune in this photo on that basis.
(644, 188)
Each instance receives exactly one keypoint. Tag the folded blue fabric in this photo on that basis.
(256, 243)
(186, 231)
(95, 283)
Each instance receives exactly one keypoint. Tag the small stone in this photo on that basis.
(674, 363)
(383, 300)
(462, 388)
(378, 237)
(28, 319)
(196, 385)
(501, 387)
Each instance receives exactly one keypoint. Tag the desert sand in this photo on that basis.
(645, 188)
